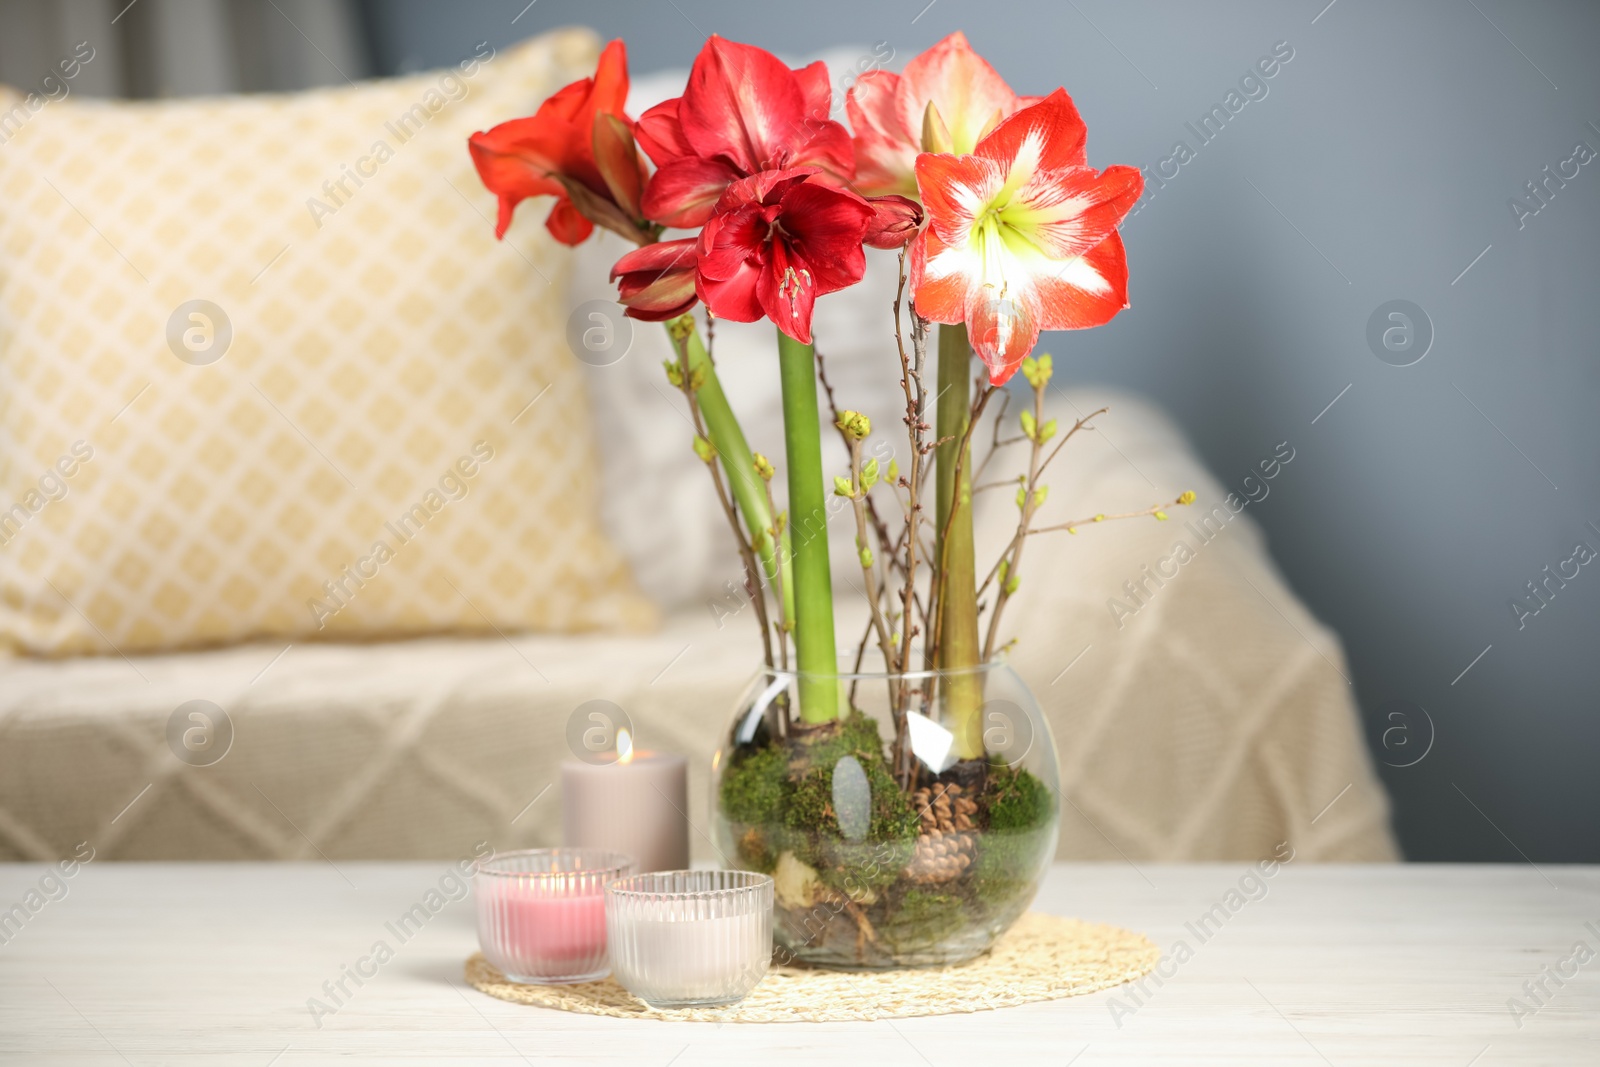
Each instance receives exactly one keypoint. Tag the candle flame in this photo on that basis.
(624, 747)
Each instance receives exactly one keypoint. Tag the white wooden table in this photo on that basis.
(214, 963)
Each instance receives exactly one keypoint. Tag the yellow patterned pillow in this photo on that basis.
(264, 371)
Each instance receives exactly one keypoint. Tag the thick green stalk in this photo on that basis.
(815, 651)
(748, 490)
(958, 607)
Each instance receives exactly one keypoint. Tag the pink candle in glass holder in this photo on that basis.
(542, 914)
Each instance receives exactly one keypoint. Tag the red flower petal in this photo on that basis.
(657, 258)
(787, 291)
(513, 160)
(655, 302)
(937, 299)
(885, 150)
(731, 294)
(827, 145)
(660, 134)
(610, 86)
(824, 229)
(741, 103)
(952, 187)
(1067, 212)
(764, 187)
(566, 224)
(961, 84)
(565, 105)
(1002, 329)
(684, 191)
(729, 242)
(1087, 291)
(1049, 135)
(816, 91)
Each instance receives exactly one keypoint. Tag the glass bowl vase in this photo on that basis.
(910, 829)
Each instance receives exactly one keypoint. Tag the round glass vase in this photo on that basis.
(909, 830)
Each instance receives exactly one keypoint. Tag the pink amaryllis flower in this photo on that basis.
(1021, 235)
(776, 242)
(579, 148)
(949, 94)
(742, 112)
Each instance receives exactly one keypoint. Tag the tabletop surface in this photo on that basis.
(215, 964)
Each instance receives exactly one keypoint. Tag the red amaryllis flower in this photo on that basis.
(656, 282)
(950, 93)
(776, 243)
(742, 112)
(1021, 235)
(578, 147)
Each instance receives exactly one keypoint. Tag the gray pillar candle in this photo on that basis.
(637, 805)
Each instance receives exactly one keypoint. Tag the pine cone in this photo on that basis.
(946, 846)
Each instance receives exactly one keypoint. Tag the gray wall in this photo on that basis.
(1377, 167)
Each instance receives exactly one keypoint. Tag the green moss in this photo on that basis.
(855, 735)
(1017, 800)
(780, 798)
(755, 851)
(753, 788)
(811, 805)
(922, 918)
(1012, 850)
(1008, 865)
(851, 866)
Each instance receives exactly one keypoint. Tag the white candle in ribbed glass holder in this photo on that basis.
(690, 938)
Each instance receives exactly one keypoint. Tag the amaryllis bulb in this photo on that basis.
(998, 323)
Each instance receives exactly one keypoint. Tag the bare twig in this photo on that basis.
(879, 527)
(1081, 424)
(869, 570)
(1154, 509)
(1031, 482)
(1011, 559)
(916, 427)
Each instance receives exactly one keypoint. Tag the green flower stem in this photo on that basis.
(958, 606)
(748, 489)
(815, 651)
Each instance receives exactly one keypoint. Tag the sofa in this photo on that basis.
(1199, 711)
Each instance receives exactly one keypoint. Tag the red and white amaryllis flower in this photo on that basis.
(777, 241)
(1021, 235)
(949, 94)
(743, 111)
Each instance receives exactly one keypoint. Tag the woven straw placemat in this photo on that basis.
(1042, 957)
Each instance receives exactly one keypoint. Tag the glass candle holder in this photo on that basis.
(684, 939)
(542, 914)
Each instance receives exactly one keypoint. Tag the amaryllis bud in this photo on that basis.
(656, 282)
(895, 220)
(618, 162)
